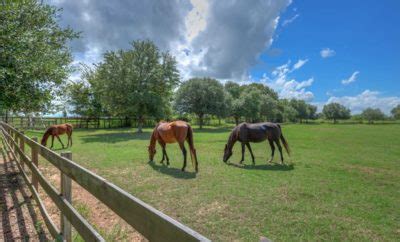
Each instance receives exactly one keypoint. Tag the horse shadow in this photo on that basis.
(171, 171)
(269, 167)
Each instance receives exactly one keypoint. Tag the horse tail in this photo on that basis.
(193, 155)
(285, 143)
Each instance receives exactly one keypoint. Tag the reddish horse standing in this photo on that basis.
(56, 130)
(171, 132)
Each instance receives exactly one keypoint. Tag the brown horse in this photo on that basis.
(56, 130)
(258, 132)
(171, 132)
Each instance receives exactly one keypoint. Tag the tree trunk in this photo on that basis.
(236, 120)
(334, 121)
(201, 121)
(140, 125)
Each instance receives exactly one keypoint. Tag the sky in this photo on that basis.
(318, 51)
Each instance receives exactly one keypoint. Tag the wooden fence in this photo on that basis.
(151, 223)
(95, 123)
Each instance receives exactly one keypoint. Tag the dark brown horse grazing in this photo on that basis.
(56, 130)
(258, 132)
(176, 131)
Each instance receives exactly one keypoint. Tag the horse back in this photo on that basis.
(172, 132)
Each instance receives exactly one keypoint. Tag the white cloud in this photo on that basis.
(286, 87)
(290, 20)
(221, 39)
(326, 52)
(351, 79)
(367, 99)
(299, 64)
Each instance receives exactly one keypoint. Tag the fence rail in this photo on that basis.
(95, 123)
(148, 221)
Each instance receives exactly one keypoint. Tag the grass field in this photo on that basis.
(342, 182)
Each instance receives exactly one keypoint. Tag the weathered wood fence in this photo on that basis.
(151, 223)
(93, 123)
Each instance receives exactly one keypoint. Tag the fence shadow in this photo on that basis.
(115, 137)
(11, 186)
(269, 167)
(171, 171)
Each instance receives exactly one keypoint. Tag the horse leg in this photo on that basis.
(271, 143)
(58, 137)
(278, 143)
(166, 156)
(182, 145)
(52, 141)
(243, 150)
(251, 152)
(163, 147)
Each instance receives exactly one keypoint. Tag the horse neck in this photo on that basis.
(45, 136)
(153, 139)
(232, 139)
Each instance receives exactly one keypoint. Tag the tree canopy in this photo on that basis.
(336, 111)
(137, 82)
(34, 57)
(200, 96)
(372, 114)
(396, 112)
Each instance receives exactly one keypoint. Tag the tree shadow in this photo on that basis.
(270, 167)
(115, 137)
(171, 171)
(223, 129)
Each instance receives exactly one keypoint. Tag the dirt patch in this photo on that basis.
(110, 225)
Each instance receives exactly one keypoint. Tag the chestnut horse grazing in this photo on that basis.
(171, 132)
(56, 130)
(258, 132)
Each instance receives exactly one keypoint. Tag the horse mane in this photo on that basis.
(233, 137)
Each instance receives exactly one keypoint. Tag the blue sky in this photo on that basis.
(319, 51)
(364, 36)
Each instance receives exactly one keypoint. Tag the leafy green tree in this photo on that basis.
(301, 108)
(238, 109)
(34, 57)
(251, 101)
(233, 89)
(265, 90)
(372, 114)
(200, 96)
(311, 111)
(137, 82)
(83, 100)
(269, 107)
(396, 112)
(336, 111)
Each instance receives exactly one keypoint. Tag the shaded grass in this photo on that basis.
(342, 182)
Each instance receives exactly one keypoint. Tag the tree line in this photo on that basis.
(141, 82)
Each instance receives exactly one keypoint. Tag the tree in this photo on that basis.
(268, 108)
(336, 111)
(396, 112)
(301, 108)
(200, 96)
(311, 111)
(251, 104)
(83, 100)
(136, 82)
(372, 114)
(233, 89)
(34, 57)
(263, 88)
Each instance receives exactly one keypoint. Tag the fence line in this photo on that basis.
(148, 221)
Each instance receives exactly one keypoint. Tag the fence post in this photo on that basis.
(15, 145)
(35, 161)
(22, 147)
(66, 192)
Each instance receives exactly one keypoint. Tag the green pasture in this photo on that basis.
(342, 182)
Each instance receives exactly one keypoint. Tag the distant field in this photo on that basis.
(342, 182)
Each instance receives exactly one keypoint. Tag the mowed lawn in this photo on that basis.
(342, 182)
